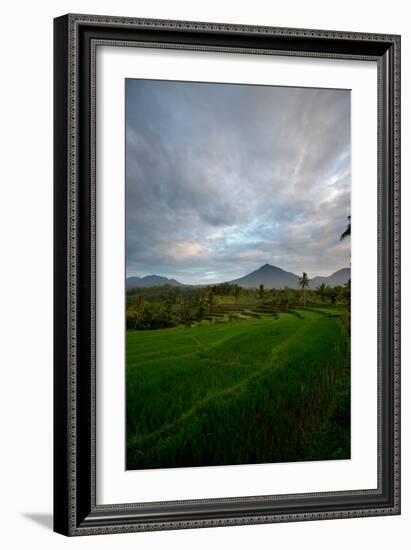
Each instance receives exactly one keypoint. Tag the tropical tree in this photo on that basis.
(261, 292)
(273, 294)
(347, 287)
(347, 232)
(303, 284)
(321, 289)
(136, 310)
(236, 293)
(341, 293)
(287, 295)
(210, 300)
(332, 294)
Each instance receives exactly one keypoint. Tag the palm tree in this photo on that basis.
(261, 292)
(303, 284)
(321, 291)
(287, 295)
(347, 287)
(332, 293)
(347, 232)
(210, 300)
(236, 293)
(138, 308)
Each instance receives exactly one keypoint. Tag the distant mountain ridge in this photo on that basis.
(151, 280)
(339, 278)
(268, 275)
(274, 277)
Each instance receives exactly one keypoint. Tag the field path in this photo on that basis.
(217, 357)
(240, 392)
(276, 351)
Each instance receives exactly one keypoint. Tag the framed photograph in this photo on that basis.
(227, 350)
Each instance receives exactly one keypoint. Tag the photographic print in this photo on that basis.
(206, 370)
(237, 309)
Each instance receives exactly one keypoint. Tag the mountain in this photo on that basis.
(340, 277)
(151, 280)
(269, 276)
(274, 277)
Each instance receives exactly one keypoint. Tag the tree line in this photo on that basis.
(168, 306)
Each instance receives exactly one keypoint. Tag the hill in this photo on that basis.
(270, 276)
(151, 280)
(340, 277)
(274, 277)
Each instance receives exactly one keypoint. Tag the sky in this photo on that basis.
(223, 178)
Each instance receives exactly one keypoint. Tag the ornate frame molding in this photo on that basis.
(76, 40)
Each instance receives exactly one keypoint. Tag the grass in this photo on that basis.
(269, 389)
(231, 300)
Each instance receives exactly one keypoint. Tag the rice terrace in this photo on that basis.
(240, 376)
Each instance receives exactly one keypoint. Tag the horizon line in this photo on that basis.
(230, 281)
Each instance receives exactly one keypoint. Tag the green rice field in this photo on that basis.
(272, 388)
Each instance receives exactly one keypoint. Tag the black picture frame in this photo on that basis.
(75, 41)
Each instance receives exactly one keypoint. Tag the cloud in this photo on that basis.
(222, 178)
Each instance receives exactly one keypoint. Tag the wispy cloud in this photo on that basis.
(222, 178)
